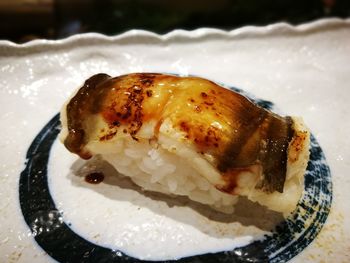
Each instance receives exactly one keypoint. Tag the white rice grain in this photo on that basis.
(162, 171)
(172, 184)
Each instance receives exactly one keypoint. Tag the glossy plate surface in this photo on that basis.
(301, 70)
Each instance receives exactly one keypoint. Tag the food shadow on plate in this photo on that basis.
(247, 213)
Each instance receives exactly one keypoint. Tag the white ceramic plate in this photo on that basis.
(303, 70)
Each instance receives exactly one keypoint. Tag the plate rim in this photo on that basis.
(280, 28)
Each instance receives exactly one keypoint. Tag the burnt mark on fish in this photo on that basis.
(91, 99)
(128, 111)
(205, 137)
(204, 95)
(87, 101)
(251, 135)
(147, 79)
(108, 136)
(297, 145)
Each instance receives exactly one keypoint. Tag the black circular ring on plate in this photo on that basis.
(64, 245)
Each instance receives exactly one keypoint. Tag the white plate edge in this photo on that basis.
(246, 31)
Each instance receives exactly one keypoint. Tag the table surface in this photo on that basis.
(24, 20)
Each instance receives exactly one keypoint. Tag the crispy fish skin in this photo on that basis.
(232, 133)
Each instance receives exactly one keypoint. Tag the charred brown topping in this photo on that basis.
(297, 145)
(128, 111)
(205, 137)
(147, 79)
(116, 123)
(208, 100)
(125, 108)
(197, 108)
(108, 136)
(184, 126)
(298, 141)
(85, 102)
(223, 123)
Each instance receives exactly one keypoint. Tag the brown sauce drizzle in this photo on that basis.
(230, 178)
(94, 178)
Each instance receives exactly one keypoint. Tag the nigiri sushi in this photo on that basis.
(189, 136)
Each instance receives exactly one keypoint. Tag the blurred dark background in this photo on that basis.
(24, 20)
